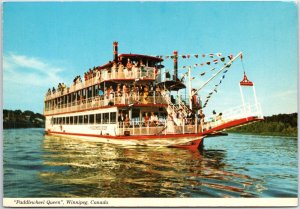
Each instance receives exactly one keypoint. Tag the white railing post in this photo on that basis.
(133, 128)
(148, 128)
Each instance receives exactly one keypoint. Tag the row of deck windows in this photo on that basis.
(74, 96)
(100, 118)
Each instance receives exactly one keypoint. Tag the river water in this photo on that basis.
(229, 166)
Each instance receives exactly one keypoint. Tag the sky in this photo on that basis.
(45, 43)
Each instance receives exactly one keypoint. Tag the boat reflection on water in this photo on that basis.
(89, 169)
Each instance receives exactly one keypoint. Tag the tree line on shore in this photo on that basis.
(275, 125)
(19, 119)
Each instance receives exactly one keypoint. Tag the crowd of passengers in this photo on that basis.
(123, 93)
(137, 92)
(131, 69)
(152, 119)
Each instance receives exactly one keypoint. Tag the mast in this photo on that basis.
(190, 87)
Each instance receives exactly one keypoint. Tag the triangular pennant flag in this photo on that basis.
(192, 78)
(188, 56)
(203, 55)
(183, 66)
(228, 66)
(215, 90)
(222, 59)
(167, 57)
(230, 57)
(220, 81)
(215, 61)
(183, 56)
(219, 54)
(211, 55)
(223, 76)
(202, 74)
(210, 93)
(202, 64)
(225, 71)
(196, 55)
(213, 69)
(172, 57)
(208, 63)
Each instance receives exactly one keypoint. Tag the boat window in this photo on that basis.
(78, 95)
(73, 96)
(86, 119)
(75, 119)
(80, 119)
(92, 117)
(63, 120)
(71, 120)
(89, 92)
(106, 117)
(113, 116)
(98, 118)
(69, 98)
(67, 120)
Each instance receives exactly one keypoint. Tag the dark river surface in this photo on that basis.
(229, 166)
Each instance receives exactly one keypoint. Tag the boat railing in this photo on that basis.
(239, 112)
(160, 127)
(106, 75)
(101, 101)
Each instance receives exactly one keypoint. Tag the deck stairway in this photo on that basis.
(172, 108)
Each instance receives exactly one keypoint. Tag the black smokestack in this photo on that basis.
(175, 65)
(115, 44)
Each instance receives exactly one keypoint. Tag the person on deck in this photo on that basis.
(120, 70)
(145, 94)
(127, 121)
(128, 70)
(114, 70)
(135, 70)
(146, 119)
(153, 119)
(121, 118)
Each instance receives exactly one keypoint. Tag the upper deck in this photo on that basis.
(128, 81)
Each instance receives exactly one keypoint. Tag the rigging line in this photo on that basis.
(226, 65)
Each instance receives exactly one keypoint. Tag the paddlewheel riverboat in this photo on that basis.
(130, 101)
